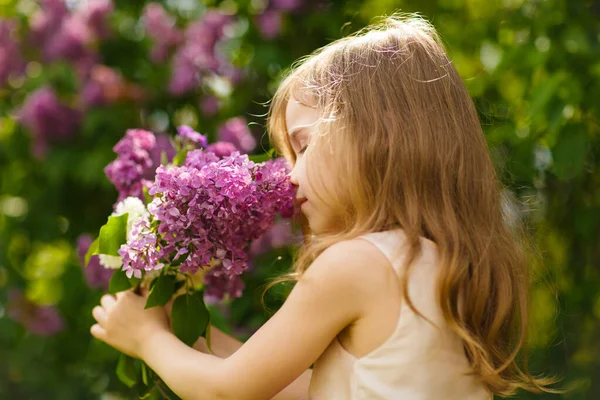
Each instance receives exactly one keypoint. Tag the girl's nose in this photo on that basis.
(293, 177)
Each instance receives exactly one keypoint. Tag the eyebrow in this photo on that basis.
(296, 130)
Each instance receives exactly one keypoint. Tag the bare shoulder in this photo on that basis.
(356, 265)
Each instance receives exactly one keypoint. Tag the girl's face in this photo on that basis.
(301, 122)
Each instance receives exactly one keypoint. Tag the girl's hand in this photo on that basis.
(123, 323)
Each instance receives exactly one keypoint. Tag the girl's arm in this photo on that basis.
(224, 345)
(332, 294)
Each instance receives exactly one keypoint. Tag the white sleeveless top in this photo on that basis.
(417, 362)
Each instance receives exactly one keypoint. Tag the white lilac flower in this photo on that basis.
(135, 208)
(110, 262)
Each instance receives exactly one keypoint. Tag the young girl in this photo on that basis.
(417, 285)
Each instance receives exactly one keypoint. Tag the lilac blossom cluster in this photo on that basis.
(11, 61)
(195, 48)
(209, 210)
(138, 155)
(65, 35)
(49, 120)
(236, 131)
(269, 21)
(62, 35)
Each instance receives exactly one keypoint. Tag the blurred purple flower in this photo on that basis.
(269, 23)
(236, 131)
(11, 61)
(287, 5)
(70, 41)
(92, 95)
(95, 274)
(105, 85)
(48, 119)
(185, 76)
(222, 149)
(41, 320)
(163, 145)
(279, 235)
(197, 54)
(216, 21)
(187, 132)
(160, 26)
(47, 21)
(219, 284)
(95, 15)
(209, 105)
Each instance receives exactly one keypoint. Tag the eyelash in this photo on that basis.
(302, 150)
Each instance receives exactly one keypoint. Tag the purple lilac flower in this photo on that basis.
(274, 174)
(187, 132)
(236, 131)
(222, 149)
(41, 320)
(209, 210)
(95, 274)
(133, 159)
(199, 158)
(11, 61)
(160, 26)
(269, 23)
(141, 251)
(48, 119)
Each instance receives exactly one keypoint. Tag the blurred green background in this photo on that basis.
(75, 75)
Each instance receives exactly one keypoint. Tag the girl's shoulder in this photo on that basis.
(359, 262)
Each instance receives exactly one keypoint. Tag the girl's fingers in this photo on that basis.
(99, 315)
(98, 332)
(107, 301)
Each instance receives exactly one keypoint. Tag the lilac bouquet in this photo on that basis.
(186, 216)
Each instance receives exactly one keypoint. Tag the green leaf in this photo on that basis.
(144, 373)
(112, 235)
(189, 317)
(118, 282)
(126, 371)
(179, 159)
(570, 154)
(93, 249)
(207, 336)
(260, 158)
(133, 281)
(179, 285)
(147, 196)
(161, 291)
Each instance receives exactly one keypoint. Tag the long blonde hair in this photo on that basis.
(404, 138)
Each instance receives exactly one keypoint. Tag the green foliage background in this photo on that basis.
(533, 68)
